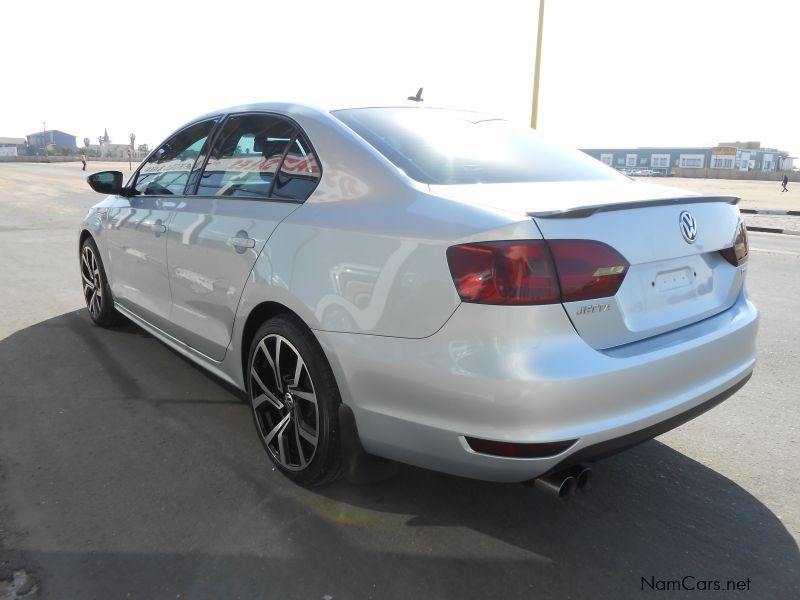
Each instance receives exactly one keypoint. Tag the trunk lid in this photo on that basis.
(671, 282)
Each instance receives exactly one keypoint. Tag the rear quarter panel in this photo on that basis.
(366, 253)
(373, 265)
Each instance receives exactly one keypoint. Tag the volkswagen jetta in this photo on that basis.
(435, 287)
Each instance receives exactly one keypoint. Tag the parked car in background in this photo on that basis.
(435, 287)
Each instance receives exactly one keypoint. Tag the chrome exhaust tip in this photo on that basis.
(561, 485)
(583, 476)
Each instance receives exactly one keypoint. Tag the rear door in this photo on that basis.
(259, 170)
(137, 233)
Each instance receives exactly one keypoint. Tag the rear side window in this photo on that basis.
(299, 173)
(436, 146)
(244, 160)
(167, 171)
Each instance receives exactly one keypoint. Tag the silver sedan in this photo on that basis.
(434, 287)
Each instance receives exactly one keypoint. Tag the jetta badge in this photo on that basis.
(688, 227)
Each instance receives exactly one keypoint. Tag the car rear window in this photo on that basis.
(438, 146)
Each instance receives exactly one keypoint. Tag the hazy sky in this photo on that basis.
(614, 72)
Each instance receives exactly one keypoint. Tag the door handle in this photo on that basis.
(242, 242)
(158, 228)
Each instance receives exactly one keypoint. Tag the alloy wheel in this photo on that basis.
(284, 402)
(92, 282)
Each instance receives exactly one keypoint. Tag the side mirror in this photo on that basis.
(106, 182)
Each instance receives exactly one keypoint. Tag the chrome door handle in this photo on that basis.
(242, 242)
(158, 228)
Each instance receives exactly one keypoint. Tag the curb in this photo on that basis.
(772, 230)
(751, 211)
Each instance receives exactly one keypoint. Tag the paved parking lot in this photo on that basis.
(127, 472)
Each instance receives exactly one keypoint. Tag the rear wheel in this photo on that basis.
(96, 292)
(295, 401)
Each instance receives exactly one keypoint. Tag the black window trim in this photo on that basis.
(280, 164)
(131, 184)
(212, 139)
(269, 198)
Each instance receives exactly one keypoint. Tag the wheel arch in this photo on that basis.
(270, 309)
(85, 233)
(260, 314)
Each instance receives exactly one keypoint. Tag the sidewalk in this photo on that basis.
(773, 223)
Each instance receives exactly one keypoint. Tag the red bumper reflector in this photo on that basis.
(513, 450)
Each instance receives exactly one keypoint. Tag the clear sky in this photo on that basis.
(614, 72)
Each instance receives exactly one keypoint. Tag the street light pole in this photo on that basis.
(535, 105)
(44, 137)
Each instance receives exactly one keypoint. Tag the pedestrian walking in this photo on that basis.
(785, 183)
(83, 160)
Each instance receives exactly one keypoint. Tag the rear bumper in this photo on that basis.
(522, 374)
(610, 447)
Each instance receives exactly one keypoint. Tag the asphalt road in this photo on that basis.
(127, 472)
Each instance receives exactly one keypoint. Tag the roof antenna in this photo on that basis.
(418, 97)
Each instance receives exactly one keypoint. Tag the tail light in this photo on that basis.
(737, 254)
(587, 269)
(535, 271)
(504, 272)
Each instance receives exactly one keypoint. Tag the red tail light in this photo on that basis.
(587, 269)
(518, 272)
(535, 271)
(737, 254)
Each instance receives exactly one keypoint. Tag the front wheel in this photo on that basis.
(295, 401)
(96, 291)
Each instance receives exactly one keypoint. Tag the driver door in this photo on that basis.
(138, 226)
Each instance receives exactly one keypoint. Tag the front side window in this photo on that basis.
(167, 171)
(299, 172)
(244, 161)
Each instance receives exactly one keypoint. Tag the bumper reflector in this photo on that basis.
(513, 450)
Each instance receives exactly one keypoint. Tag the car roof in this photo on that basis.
(290, 108)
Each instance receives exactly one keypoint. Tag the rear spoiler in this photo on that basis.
(579, 212)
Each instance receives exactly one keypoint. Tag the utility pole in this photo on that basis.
(535, 104)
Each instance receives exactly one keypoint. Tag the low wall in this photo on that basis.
(40, 159)
(60, 159)
(738, 175)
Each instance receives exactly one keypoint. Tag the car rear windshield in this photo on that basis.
(437, 146)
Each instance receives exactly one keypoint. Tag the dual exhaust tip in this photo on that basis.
(564, 484)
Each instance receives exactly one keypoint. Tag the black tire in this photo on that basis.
(94, 283)
(285, 417)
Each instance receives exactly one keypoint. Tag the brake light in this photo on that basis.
(587, 269)
(737, 254)
(517, 272)
(535, 271)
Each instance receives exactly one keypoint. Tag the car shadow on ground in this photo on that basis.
(125, 468)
